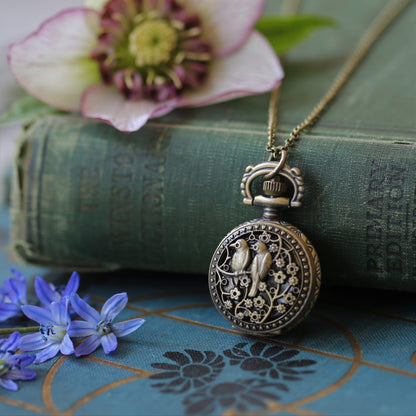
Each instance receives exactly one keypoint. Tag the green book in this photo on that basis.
(87, 196)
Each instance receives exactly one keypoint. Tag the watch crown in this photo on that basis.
(274, 187)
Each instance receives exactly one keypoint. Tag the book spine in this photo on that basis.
(87, 196)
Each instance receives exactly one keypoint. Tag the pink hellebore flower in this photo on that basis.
(125, 61)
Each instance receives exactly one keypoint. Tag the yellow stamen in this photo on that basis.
(177, 24)
(139, 18)
(120, 18)
(128, 79)
(195, 31)
(195, 56)
(110, 59)
(179, 58)
(159, 80)
(152, 42)
(150, 77)
(174, 77)
(131, 7)
(112, 31)
(153, 14)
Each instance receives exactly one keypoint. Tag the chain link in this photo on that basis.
(381, 22)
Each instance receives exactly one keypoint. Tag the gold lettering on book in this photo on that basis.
(152, 200)
(121, 198)
(395, 221)
(388, 222)
(374, 234)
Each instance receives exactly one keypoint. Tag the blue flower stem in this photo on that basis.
(23, 330)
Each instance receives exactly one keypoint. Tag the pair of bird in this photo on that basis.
(260, 265)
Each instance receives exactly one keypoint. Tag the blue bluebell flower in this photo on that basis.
(99, 327)
(12, 365)
(52, 336)
(48, 292)
(12, 296)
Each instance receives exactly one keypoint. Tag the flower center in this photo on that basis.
(51, 331)
(152, 42)
(151, 50)
(4, 367)
(104, 328)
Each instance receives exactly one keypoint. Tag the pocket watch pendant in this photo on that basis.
(265, 275)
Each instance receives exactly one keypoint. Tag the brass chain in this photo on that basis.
(381, 22)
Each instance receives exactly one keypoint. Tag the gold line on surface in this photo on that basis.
(145, 373)
(275, 407)
(181, 307)
(390, 369)
(168, 294)
(295, 344)
(413, 359)
(356, 362)
(102, 390)
(23, 405)
(47, 384)
(163, 313)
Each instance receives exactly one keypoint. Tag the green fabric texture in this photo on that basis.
(162, 198)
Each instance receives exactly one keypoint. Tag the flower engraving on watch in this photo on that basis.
(264, 276)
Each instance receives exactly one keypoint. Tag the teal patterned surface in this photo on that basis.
(355, 355)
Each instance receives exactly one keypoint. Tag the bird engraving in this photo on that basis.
(260, 266)
(241, 258)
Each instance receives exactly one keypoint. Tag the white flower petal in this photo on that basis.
(253, 69)
(105, 103)
(53, 64)
(226, 23)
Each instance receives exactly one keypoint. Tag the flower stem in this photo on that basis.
(22, 330)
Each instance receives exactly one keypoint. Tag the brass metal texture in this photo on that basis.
(264, 277)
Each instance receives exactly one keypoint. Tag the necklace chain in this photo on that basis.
(381, 22)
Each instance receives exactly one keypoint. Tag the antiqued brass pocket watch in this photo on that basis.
(265, 275)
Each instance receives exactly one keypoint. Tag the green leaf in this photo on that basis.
(284, 32)
(26, 109)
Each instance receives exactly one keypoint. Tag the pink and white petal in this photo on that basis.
(105, 103)
(226, 23)
(53, 64)
(253, 69)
